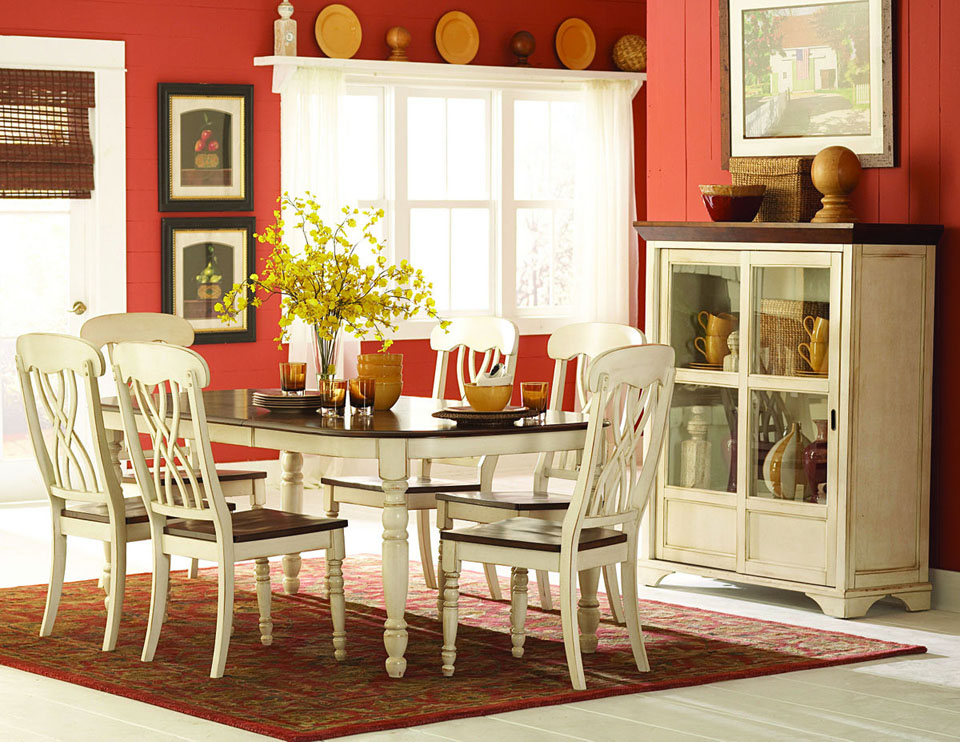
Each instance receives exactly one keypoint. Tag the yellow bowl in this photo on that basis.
(488, 398)
(387, 393)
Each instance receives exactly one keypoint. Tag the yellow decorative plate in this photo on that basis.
(338, 31)
(576, 44)
(457, 37)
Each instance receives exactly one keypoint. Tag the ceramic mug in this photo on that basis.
(713, 347)
(816, 355)
(817, 328)
(717, 324)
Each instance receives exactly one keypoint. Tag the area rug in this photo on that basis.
(295, 690)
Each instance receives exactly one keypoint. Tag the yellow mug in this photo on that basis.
(717, 324)
(817, 328)
(816, 355)
(713, 347)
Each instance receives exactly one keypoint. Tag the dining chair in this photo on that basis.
(630, 391)
(188, 515)
(576, 342)
(480, 343)
(62, 373)
(107, 330)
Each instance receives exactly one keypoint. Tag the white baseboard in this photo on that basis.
(946, 590)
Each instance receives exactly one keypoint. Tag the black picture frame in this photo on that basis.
(205, 138)
(221, 248)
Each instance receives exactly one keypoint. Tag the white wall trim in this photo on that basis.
(946, 590)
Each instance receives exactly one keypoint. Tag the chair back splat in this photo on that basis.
(491, 340)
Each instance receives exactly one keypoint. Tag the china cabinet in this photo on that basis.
(799, 448)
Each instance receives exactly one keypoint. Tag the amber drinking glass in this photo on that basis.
(333, 396)
(293, 378)
(533, 395)
(362, 392)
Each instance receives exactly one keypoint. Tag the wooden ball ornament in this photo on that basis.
(630, 53)
(522, 45)
(835, 173)
(398, 39)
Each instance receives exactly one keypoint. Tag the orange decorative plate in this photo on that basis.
(576, 44)
(457, 37)
(338, 31)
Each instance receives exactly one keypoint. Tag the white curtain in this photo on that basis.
(311, 115)
(606, 205)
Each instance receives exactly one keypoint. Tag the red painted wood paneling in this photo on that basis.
(683, 151)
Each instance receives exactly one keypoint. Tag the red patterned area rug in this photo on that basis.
(295, 690)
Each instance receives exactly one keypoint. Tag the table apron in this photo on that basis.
(494, 445)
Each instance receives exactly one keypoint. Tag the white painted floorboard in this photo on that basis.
(913, 698)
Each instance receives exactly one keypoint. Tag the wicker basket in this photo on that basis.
(781, 332)
(790, 195)
(630, 53)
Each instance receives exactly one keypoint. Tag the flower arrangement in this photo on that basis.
(328, 285)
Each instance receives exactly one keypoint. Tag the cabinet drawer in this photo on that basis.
(789, 547)
(698, 533)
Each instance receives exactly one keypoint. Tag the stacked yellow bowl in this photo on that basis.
(387, 370)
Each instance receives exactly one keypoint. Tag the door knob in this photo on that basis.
(78, 307)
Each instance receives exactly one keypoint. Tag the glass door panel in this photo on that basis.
(702, 451)
(791, 321)
(704, 313)
(788, 434)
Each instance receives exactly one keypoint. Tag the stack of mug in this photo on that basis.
(815, 352)
(713, 344)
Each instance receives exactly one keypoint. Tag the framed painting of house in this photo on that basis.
(205, 147)
(801, 75)
(201, 259)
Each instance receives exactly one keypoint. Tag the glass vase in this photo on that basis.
(326, 351)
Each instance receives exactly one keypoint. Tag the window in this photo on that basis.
(478, 186)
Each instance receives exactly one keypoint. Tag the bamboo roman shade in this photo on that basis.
(45, 147)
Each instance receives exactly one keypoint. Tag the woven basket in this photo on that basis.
(781, 332)
(630, 53)
(790, 195)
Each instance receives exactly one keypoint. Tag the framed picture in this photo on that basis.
(801, 75)
(200, 260)
(206, 147)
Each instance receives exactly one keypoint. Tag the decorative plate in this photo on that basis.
(457, 37)
(814, 374)
(706, 366)
(576, 44)
(274, 399)
(470, 416)
(338, 31)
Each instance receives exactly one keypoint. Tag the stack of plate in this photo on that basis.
(274, 399)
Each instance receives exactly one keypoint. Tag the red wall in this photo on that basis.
(683, 150)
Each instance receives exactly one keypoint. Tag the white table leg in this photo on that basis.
(291, 500)
(114, 447)
(394, 472)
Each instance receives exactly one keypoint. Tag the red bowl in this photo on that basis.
(731, 208)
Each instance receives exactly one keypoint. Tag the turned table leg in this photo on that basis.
(291, 500)
(114, 447)
(396, 552)
(588, 613)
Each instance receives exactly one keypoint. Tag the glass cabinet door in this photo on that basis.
(704, 314)
(702, 449)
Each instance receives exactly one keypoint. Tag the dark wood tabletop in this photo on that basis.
(411, 417)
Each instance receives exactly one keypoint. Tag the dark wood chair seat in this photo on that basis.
(256, 525)
(136, 512)
(415, 486)
(517, 501)
(531, 533)
(224, 475)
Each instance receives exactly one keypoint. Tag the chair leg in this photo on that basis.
(58, 563)
(518, 609)
(262, 571)
(258, 497)
(588, 615)
(568, 622)
(224, 619)
(613, 593)
(426, 558)
(193, 570)
(118, 578)
(543, 587)
(632, 609)
(451, 610)
(158, 603)
(493, 582)
(338, 609)
(104, 580)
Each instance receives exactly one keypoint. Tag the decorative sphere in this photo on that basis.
(522, 44)
(630, 53)
(398, 37)
(835, 171)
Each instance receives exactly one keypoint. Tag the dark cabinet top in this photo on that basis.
(836, 234)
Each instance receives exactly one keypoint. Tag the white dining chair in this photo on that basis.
(631, 390)
(61, 372)
(578, 342)
(187, 511)
(480, 343)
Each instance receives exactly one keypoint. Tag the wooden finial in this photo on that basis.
(398, 39)
(285, 31)
(835, 173)
(522, 45)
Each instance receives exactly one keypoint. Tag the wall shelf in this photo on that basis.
(365, 70)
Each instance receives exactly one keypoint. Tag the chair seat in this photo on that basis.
(531, 533)
(255, 525)
(224, 475)
(414, 485)
(136, 512)
(517, 501)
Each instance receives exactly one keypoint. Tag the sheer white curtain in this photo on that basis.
(606, 205)
(311, 115)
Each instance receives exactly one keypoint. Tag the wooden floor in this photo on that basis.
(911, 698)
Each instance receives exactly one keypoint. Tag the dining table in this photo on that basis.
(393, 438)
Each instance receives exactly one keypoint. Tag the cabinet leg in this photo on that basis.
(844, 607)
(914, 601)
(651, 576)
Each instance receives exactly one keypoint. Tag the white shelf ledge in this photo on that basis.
(364, 70)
